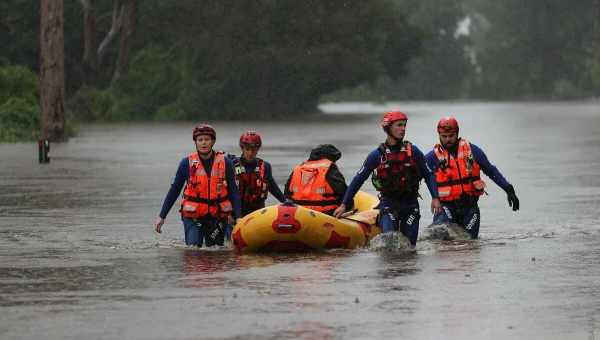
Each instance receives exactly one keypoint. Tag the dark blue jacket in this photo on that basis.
(371, 163)
(488, 168)
(183, 175)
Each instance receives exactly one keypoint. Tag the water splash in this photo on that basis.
(391, 241)
(445, 232)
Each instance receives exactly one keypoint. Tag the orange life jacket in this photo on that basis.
(309, 186)
(206, 195)
(457, 176)
(397, 172)
(253, 185)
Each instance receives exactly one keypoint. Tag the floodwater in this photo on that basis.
(79, 258)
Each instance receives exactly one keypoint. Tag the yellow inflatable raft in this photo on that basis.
(290, 227)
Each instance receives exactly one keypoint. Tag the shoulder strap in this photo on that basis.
(439, 153)
(260, 167)
(408, 148)
(383, 150)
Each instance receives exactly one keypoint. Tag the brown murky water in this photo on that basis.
(78, 258)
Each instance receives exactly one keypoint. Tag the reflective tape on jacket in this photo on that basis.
(206, 195)
(253, 185)
(457, 176)
(309, 186)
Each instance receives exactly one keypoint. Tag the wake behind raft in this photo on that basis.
(290, 227)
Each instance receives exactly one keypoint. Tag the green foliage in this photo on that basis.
(229, 59)
(90, 104)
(261, 59)
(19, 32)
(534, 48)
(275, 58)
(19, 108)
(19, 120)
(594, 62)
(154, 80)
(442, 71)
(18, 81)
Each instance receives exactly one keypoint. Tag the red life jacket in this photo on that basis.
(206, 195)
(457, 176)
(309, 186)
(397, 172)
(253, 186)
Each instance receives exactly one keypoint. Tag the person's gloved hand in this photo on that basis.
(513, 200)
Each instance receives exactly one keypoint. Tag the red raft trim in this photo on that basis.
(337, 241)
(286, 223)
(238, 240)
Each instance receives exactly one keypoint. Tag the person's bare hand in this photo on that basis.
(339, 211)
(158, 224)
(436, 206)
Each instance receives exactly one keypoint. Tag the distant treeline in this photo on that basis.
(230, 59)
(499, 50)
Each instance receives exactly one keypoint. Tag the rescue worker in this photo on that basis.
(457, 165)
(210, 199)
(317, 183)
(397, 167)
(253, 175)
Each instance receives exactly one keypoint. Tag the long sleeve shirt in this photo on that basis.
(488, 168)
(182, 175)
(372, 162)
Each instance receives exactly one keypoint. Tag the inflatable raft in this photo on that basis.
(290, 227)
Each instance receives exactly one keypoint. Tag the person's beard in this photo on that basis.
(450, 146)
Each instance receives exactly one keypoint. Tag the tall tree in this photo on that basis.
(52, 69)
(90, 59)
(127, 27)
(442, 69)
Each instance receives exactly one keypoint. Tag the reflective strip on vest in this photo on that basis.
(309, 186)
(253, 186)
(458, 176)
(206, 195)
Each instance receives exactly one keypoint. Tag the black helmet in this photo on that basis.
(325, 151)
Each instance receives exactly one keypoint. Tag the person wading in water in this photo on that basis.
(210, 199)
(457, 165)
(253, 175)
(397, 166)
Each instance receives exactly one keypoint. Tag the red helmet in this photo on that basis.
(447, 124)
(390, 117)
(250, 138)
(204, 129)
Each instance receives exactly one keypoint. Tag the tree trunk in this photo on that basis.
(52, 69)
(596, 32)
(115, 27)
(127, 28)
(90, 60)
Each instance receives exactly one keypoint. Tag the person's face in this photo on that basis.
(448, 139)
(249, 152)
(398, 129)
(204, 143)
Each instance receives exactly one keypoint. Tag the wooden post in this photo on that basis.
(43, 150)
(52, 71)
